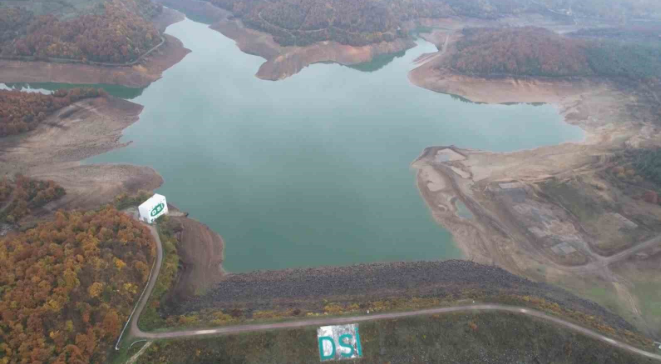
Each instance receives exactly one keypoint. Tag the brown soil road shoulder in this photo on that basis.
(200, 251)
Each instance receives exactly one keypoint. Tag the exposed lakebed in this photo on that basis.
(312, 170)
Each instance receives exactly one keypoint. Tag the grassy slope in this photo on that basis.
(457, 338)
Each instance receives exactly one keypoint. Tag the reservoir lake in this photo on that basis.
(312, 170)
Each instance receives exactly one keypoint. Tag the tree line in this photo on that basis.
(303, 22)
(23, 111)
(614, 10)
(647, 162)
(18, 197)
(68, 285)
(116, 33)
(531, 51)
(525, 51)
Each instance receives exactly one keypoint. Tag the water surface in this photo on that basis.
(312, 170)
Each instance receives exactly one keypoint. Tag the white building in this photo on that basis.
(153, 208)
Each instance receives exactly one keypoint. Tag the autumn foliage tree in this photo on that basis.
(63, 296)
(13, 22)
(531, 51)
(303, 22)
(23, 111)
(20, 196)
(647, 162)
(527, 51)
(116, 34)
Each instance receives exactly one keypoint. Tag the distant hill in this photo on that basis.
(531, 51)
(303, 22)
(115, 31)
(521, 51)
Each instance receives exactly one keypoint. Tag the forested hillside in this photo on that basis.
(117, 31)
(20, 196)
(611, 9)
(531, 51)
(648, 164)
(302, 22)
(23, 111)
(630, 60)
(13, 21)
(524, 51)
(68, 285)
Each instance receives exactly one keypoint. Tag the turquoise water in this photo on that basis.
(312, 170)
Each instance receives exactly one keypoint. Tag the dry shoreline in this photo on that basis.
(56, 148)
(283, 62)
(147, 71)
(201, 254)
(552, 214)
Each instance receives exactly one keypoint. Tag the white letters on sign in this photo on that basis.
(339, 342)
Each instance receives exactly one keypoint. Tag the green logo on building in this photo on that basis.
(157, 209)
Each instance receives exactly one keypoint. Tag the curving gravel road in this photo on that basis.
(137, 334)
(134, 330)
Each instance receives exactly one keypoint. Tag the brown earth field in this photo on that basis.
(55, 149)
(557, 214)
(148, 70)
(282, 62)
(200, 251)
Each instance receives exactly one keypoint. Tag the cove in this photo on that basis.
(312, 170)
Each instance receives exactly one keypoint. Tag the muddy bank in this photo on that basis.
(498, 90)
(148, 70)
(200, 252)
(552, 214)
(293, 59)
(55, 149)
(282, 62)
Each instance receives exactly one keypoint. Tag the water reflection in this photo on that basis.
(378, 62)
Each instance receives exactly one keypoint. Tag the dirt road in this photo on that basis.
(394, 315)
(133, 319)
(137, 334)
